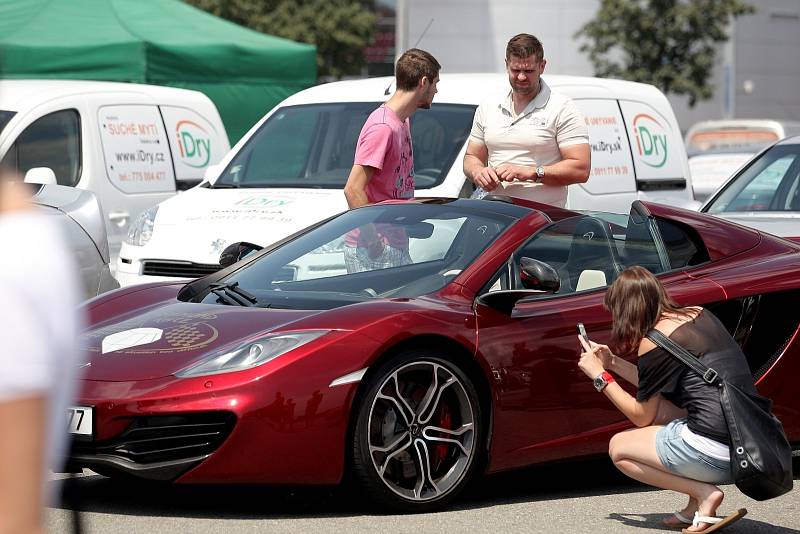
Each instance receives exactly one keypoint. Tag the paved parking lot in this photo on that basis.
(578, 497)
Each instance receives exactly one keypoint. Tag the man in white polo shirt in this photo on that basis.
(531, 142)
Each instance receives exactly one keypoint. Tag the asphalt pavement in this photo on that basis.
(590, 497)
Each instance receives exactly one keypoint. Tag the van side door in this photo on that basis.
(134, 168)
(659, 157)
(195, 143)
(612, 179)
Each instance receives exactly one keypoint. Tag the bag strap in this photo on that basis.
(710, 376)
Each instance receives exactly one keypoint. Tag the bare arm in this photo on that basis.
(639, 413)
(475, 160)
(625, 370)
(22, 424)
(572, 169)
(355, 190)
(619, 366)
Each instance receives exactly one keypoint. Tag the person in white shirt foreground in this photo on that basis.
(39, 355)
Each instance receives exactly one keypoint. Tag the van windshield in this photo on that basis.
(312, 146)
(5, 117)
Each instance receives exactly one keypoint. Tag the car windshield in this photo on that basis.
(420, 249)
(312, 146)
(5, 117)
(769, 183)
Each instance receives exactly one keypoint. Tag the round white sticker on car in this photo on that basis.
(130, 338)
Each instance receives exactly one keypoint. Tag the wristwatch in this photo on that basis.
(602, 380)
(539, 175)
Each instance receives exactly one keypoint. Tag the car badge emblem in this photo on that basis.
(482, 229)
(130, 338)
(588, 236)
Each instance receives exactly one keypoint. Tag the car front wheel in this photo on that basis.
(418, 433)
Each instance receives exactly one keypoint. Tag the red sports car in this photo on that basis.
(297, 365)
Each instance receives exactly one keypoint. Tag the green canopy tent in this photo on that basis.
(162, 42)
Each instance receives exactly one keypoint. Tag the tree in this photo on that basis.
(667, 43)
(340, 29)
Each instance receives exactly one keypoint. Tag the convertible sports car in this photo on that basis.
(285, 368)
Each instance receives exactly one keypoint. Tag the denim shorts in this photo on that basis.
(686, 461)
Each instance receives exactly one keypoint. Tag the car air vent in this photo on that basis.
(180, 269)
(166, 438)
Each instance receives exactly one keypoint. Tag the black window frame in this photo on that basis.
(79, 153)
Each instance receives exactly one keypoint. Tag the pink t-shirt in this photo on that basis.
(385, 144)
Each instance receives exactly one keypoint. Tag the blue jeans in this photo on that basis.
(686, 461)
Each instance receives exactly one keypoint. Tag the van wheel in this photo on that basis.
(418, 432)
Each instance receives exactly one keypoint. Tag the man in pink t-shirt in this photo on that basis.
(383, 168)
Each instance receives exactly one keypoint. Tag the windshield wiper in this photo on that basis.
(233, 294)
(225, 186)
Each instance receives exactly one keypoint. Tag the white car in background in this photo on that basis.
(719, 148)
(81, 220)
(289, 170)
(765, 194)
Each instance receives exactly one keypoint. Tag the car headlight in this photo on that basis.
(141, 230)
(251, 354)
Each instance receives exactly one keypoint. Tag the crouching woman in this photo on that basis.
(682, 441)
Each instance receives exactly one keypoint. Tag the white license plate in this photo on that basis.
(79, 420)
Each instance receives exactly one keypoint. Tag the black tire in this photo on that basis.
(417, 443)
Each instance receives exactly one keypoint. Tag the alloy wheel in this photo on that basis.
(421, 431)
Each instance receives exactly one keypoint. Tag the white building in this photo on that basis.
(756, 73)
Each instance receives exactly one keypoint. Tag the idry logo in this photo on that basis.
(194, 143)
(651, 140)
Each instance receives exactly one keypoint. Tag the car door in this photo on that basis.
(133, 167)
(547, 408)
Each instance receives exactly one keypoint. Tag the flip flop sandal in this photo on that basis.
(715, 523)
(682, 520)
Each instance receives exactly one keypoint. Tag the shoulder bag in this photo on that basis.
(761, 457)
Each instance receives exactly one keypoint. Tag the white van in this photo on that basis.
(289, 171)
(718, 148)
(132, 145)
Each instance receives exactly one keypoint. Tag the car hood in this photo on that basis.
(161, 340)
(218, 217)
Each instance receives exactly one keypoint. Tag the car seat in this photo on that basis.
(592, 260)
(640, 248)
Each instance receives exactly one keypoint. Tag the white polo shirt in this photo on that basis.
(41, 322)
(551, 120)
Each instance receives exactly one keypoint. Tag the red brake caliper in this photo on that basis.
(445, 420)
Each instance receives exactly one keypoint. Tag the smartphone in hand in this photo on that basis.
(582, 333)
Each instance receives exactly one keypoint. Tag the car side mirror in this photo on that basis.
(237, 251)
(535, 274)
(41, 175)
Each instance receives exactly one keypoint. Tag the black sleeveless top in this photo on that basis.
(660, 372)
